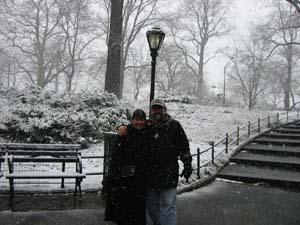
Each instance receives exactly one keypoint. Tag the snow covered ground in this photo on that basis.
(201, 123)
(209, 123)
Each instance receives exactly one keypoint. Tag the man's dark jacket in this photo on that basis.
(168, 143)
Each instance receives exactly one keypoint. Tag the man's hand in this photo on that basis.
(187, 171)
(122, 130)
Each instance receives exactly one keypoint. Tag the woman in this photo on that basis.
(125, 203)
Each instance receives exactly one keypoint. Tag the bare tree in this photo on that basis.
(283, 33)
(8, 69)
(138, 71)
(273, 93)
(287, 35)
(96, 71)
(78, 32)
(202, 20)
(31, 27)
(249, 69)
(172, 69)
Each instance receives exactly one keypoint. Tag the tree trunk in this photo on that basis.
(250, 102)
(293, 99)
(136, 95)
(70, 77)
(69, 88)
(40, 74)
(122, 75)
(14, 77)
(57, 84)
(287, 86)
(9, 74)
(200, 90)
(40, 80)
(286, 99)
(113, 77)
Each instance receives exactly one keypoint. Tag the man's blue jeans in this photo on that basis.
(161, 205)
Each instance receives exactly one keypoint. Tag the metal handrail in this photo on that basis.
(241, 132)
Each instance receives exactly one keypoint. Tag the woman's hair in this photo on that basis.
(139, 113)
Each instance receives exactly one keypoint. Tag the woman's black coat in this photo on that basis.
(125, 203)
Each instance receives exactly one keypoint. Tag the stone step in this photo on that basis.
(273, 149)
(282, 136)
(277, 141)
(267, 160)
(248, 173)
(292, 126)
(287, 130)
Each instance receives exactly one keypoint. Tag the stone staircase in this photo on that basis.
(273, 158)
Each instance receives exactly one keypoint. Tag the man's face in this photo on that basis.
(157, 112)
(138, 123)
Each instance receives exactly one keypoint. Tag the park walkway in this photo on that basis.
(219, 203)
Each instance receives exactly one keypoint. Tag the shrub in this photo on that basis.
(40, 116)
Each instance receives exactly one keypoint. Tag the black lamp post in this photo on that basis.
(155, 38)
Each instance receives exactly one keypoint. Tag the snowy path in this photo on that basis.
(216, 204)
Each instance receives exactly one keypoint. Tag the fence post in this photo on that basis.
(258, 124)
(212, 144)
(249, 128)
(238, 136)
(198, 163)
(226, 143)
(277, 117)
(269, 124)
(63, 169)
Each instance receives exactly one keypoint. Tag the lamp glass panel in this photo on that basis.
(154, 40)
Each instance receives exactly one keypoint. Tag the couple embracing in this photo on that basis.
(144, 168)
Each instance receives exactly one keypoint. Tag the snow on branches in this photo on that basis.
(40, 116)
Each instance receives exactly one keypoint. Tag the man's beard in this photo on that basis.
(157, 117)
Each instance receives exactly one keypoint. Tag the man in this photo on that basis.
(168, 142)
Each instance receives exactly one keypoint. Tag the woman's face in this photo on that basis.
(138, 123)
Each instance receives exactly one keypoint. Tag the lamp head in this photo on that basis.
(155, 38)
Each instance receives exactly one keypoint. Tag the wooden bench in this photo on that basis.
(43, 153)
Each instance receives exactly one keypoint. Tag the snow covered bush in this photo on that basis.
(40, 116)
